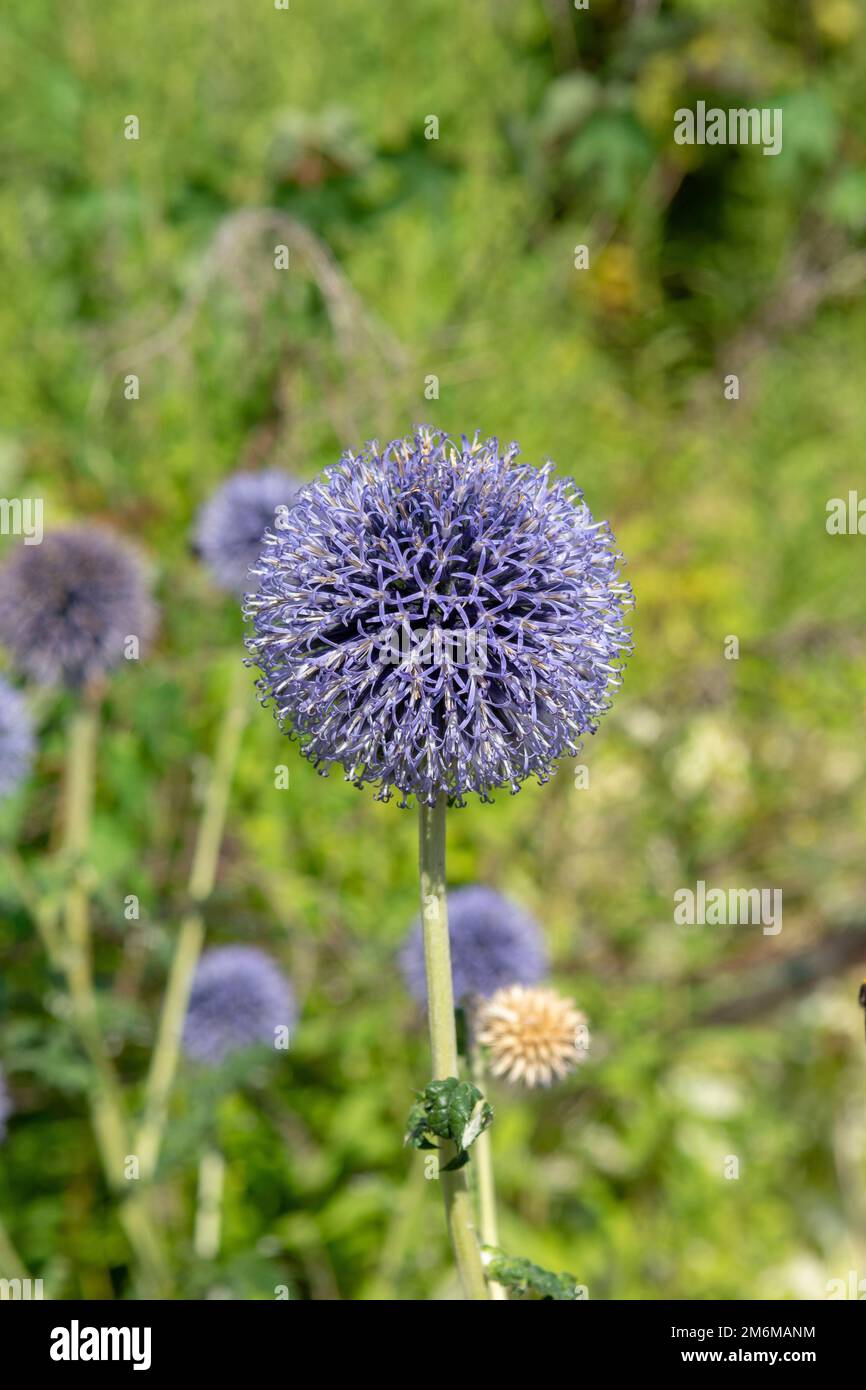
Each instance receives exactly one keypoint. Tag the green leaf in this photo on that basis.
(614, 151)
(479, 1120)
(845, 201)
(525, 1279)
(448, 1109)
(567, 103)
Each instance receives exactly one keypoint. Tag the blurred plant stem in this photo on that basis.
(190, 937)
(209, 1204)
(45, 914)
(397, 1241)
(75, 959)
(482, 1156)
(76, 944)
(11, 1264)
(443, 1034)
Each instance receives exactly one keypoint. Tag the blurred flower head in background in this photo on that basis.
(231, 524)
(534, 1035)
(493, 943)
(16, 739)
(239, 997)
(5, 1106)
(429, 536)
(67, 606)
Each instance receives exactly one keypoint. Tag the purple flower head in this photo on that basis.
(5, 1106)
(494, 943)
(230, 526)
(16, 739)
(439, 618)
(67, 606)
(238, 998)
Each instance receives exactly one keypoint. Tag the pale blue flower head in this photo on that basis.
(439, 618)
(16, 739)
(494, 943)
(232, 523)
(239, 997)
(69, 606)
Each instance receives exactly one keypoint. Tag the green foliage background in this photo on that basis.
(555, 129)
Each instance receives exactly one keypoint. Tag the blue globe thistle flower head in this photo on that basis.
(68, 606)
(439, 618)
(16, 739)
(231, 524)
(5, 1106)
(494, 943)
(239, 997)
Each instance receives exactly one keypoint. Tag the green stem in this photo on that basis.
(209, 1204)
(45, 915)
(482, 1160)
(400, 1232)
(76, 949)
(166, 1052)
(443, 1036)
(11, 1264)
(106, 1101)
(190, 938)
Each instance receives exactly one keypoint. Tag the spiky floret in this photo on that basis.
(68, 606)
(230, 525)
(439, 618)
(239, 997)
(493, 943)
(534, 1034)
(16, 739)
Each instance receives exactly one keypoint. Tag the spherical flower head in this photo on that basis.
(534, 1035)
(68, 606)
(439, 618)
(16, 739)
(230, 526)
(5, 1106)
(239, 997)
(493, 943)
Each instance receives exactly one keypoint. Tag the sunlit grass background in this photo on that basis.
(454, 258)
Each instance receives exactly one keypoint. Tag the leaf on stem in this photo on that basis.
(523, 1278)
(448, 1109)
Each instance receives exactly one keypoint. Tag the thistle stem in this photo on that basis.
(45, 916)
(482, 1160)
(11, 1264)
(190, 937)
(209, 1203)
(76, 948)
(75, 956)
(443, 1035)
